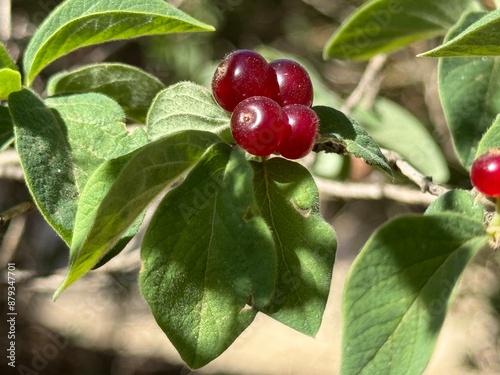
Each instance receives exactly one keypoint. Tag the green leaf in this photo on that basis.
(398, 290)
(394, 128)
(132, 88)
(10, 77)
(95, 131)
(305, 243)
(382, 26)
(119, 191)
(79, 23)
(5, 60)
(11, 82)
(469, 88)
(60, 147)
(6, 128)
(205, 257)
(491, 139)
(183, 106)
(479, 39)
(457, 201)
(344, 135)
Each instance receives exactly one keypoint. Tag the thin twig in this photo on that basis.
(17, 210)
(372, 191)
(11, 239)
(425, 183)
(367, 86)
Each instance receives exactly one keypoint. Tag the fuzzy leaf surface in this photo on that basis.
(120, 190)
(479, 39)
(133, 88)
(348, 137)
(382, 26)
(288, 200)
(79, 23)
(469, 88)
(183, 106)
(205, 257)
(61, 142)
(398, 291)
(459, 202)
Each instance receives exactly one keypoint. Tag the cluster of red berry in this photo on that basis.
(270, 104)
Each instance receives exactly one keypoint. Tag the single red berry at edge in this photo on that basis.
(302, 131)
(485, 173)
(243, 74)
(258, 124)
(295, 86)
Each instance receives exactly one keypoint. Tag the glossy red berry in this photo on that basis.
(243, 74)
(485, 173)
(301, 133)
(294, 83)
(258, 124)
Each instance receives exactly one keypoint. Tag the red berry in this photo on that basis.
(302, 131)
(294, 83)
(243, 74)
(485, 173)
(257, 124)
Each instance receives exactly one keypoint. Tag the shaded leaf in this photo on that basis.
(348, 137)
(398, 290)
(60, 147)
(204, 257)
(79, 23)
(381, 26)
(119, 191)
(183, 106)
(470, 94)
(479, 39)
(132, 88)
(305, 243)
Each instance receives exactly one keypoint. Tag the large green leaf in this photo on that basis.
(457, 201)
(132, 88)
(305, 243)
(6, 128)
(382, 26)
(479, 39)
(342, 134)
(205, 256)
(469, 88)
(398, 290)
(394, 128)
(491, 139)
(119, 191)
(186, 105)
(61, 146)
(78, 23)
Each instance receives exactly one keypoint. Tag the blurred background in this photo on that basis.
(101, 325)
